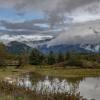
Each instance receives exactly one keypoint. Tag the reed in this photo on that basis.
(13, 92)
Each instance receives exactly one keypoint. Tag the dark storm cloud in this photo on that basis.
(78, 11)
(51, 4)
(26, 25)
(24, 5)
(20, 25)
(72, 4)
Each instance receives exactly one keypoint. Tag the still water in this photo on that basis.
(88, 87)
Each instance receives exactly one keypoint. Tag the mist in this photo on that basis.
(79, 33)
(78, 18)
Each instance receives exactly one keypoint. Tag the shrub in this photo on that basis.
(75, 62)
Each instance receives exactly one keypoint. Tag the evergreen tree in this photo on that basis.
(3, 54)
(67, 56)
(60, 57)
(51, 58)
(36, 57)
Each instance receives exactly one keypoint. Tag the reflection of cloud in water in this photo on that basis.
(54, 86)
(24, 82)
(88, 87)
(45, 86)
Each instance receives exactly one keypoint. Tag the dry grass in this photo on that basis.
(47, 70)
(12, 92)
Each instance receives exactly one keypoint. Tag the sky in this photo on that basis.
(12, 15)
(24, 10)
(34, 16)
(20, 10)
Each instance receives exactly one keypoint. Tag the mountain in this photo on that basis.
(80, 37)
(83, 48)
(17, 48)
(91, 47)
(79, 33)
(63, 49)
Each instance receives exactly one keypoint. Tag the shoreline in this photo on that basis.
(53, 72)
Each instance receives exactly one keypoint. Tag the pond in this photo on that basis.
(88, 87)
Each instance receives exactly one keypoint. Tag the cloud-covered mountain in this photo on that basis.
(42, 21)
(79, 33)
(22, 38)
(83, 36)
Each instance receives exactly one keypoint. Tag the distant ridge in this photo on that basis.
(19, 48)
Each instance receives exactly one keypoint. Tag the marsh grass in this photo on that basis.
(13, 92)
(50, 71)
(68, 72)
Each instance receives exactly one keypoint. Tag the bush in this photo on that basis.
(75, 62)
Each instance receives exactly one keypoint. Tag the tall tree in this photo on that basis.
(36, 57)
(60, 57)
(3, 54)
(51, 58)
(67, 56)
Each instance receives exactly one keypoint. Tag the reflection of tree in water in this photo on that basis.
(74, 83)
(50, 85)
(33, 77)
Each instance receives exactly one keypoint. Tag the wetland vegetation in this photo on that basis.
(62, 76)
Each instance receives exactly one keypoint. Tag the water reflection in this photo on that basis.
(24, 82)
(47, 86)
(88, 87)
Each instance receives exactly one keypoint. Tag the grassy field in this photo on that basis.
(56, 72)
(69, 72)
(46, 70)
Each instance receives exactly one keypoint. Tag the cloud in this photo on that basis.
(72, 8)
(23, 38)
(79, 11)
(32, 25)
(22, 5)
(88, 32)
(89, 12)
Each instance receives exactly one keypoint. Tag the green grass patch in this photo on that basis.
(50, 71)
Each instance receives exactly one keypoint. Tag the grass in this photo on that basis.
(10, 91)
(47, 70)
(11, 71)
(61, 72)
